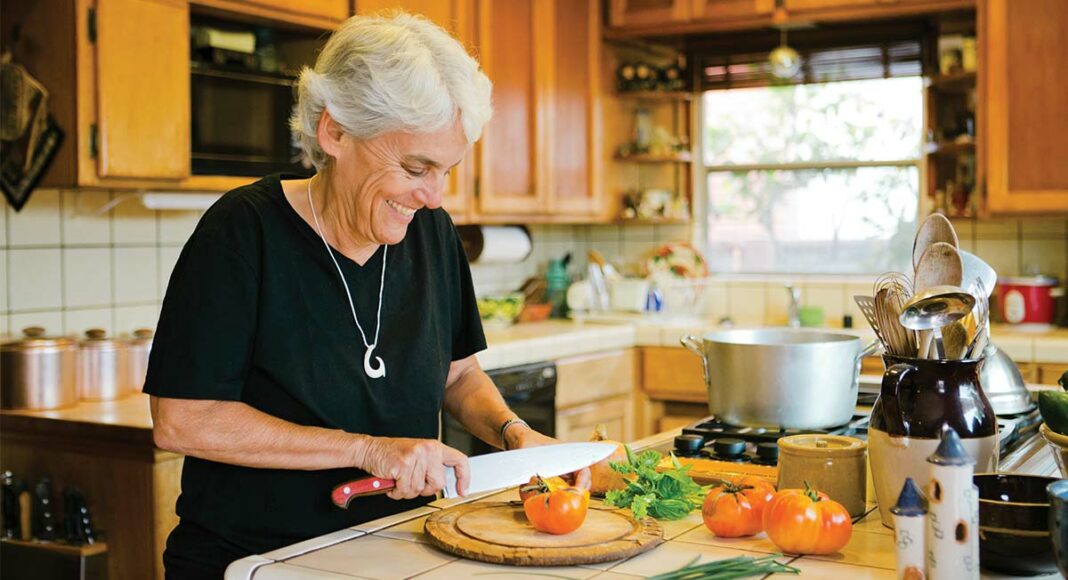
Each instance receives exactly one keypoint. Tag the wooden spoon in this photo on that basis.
(936, 228)
(940, 265)
(955, 340)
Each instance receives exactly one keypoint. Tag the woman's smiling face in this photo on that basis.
(380, 183)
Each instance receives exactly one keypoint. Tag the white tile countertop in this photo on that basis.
(396, 547)
(541, 341)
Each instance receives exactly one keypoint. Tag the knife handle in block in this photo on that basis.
(344, 493)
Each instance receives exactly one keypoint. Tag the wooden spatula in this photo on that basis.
(936, 228)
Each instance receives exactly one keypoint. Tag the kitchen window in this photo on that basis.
(815, 176)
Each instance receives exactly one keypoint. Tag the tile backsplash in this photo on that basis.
(68, 266)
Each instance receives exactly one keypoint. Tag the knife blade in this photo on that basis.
(495, 470)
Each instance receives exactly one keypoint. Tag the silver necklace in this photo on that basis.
(371, 371)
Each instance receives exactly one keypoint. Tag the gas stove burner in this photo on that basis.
(727, 449)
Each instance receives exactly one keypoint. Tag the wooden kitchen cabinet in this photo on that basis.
(596, 388)
(325, 14)
(537, 156)
(1023, 122)
(616, 414)
(731, 9)
(644, 13)
(673, 374)
(124, 109)
(106, 450)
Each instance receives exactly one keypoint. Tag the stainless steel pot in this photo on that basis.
(1003, 384)
(103, 367)
(37, 372)
(780, 377)
(140, 346)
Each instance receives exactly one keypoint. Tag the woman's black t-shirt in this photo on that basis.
(255, 312)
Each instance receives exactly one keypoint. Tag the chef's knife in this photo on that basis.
(496, 470)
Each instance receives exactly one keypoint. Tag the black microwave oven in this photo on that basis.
(240, 122)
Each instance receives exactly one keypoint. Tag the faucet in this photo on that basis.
(795, 299)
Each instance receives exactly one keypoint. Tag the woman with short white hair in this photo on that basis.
(314, 329)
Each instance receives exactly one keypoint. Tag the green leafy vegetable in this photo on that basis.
(670, 495)
(740, 567)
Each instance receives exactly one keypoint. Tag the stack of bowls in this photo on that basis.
(1014, 524)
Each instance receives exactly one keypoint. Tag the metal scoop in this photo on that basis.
(934, 308)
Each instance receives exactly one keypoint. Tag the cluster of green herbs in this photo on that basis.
(667, 495)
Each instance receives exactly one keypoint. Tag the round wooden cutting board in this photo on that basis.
(499, 533)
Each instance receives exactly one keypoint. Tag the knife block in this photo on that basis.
(21, 560)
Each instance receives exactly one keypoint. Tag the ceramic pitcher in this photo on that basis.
(919, 397)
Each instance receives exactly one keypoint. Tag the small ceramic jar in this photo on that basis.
(833, 464)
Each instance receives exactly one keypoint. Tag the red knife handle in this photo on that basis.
(344, 493)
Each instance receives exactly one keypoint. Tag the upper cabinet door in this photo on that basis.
(808, 5)
(509, 163)
(456, 16)
(574, 165)
(731, 9)
(1025, 105)
(142, 89)
(315, 13)
(640, 13)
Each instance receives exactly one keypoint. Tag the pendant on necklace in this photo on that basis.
(373, 372)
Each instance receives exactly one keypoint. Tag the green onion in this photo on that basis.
(740, 567)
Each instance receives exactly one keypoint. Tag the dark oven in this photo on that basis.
(529, 390)
(242, 85)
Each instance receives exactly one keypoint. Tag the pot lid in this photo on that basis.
(817, 445)
(35, 339)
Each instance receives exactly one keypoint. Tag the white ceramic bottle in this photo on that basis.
(910, 523)
(953, 512)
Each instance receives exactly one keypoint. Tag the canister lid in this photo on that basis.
(817, 445)
(97, 338)
(35, 339)
(142, 336)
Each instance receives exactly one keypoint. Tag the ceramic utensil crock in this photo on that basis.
(920, 397)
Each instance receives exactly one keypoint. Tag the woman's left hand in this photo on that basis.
(531, 438)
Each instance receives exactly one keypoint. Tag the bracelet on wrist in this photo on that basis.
(504, 429)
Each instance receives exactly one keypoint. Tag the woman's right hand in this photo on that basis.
(416, 465)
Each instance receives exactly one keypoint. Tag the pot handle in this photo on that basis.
(694, 345)
(875, 347)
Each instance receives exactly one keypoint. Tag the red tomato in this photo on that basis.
(736, 508)
(807, 522)
(538, 484)
(559, 511)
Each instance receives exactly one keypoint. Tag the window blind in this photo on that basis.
(894, 59)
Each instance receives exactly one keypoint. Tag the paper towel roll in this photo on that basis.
(503, 245)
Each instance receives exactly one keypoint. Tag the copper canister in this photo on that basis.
(833, 464)
(38, 372)
(139, 348)
(103, 367)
